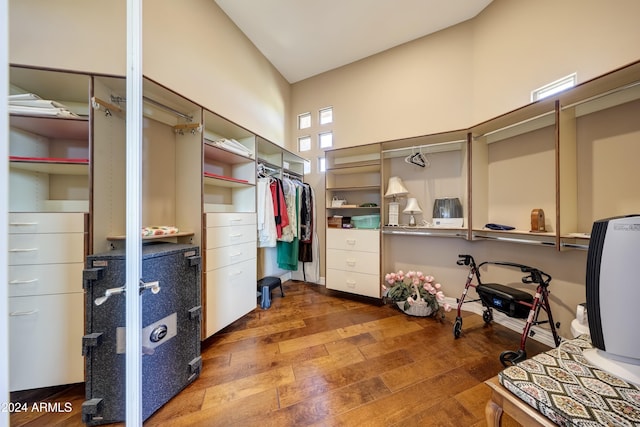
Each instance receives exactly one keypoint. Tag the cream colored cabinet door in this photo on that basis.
(45, 340)
(231, 293)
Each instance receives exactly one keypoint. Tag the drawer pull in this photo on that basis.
(351, 262)
(351, 283)
(236, 273)
(23, 313)
(235, 235)
(351, 241)
(22, 224)
(22, 282)
(236, 254)
(23, 250)
(236, 220)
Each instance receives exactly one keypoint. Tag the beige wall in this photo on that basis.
(189, 46)
(459, 77)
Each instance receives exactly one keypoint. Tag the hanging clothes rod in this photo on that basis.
(98, 103)
(602, 95)
(419, 147)
(169, 109)
(185, 116)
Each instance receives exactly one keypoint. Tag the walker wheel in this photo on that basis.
(457, 327)
(510, 358)
(487, 316)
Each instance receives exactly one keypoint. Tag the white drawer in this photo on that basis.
(355, 283)
(25, 280)
(221, 257)
(46, 222)
(230, 294)
(45, 339)
(356, 240)
(46, 248)
(218, 237)
(361, 262)
(223, 219)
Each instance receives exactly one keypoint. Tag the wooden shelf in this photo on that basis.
(229, 182)
(223, 155)
(52, 166)
(53, 127)
(164, 236)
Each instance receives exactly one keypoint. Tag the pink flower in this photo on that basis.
(429, 279)
(437, 286)
(440, 296)
(410, 301)
(446, 306)
(416, 281)
(384, 288)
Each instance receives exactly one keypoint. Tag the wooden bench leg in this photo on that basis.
(493, 413)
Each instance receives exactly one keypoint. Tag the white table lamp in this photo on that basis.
(395, 188)
(412, 208)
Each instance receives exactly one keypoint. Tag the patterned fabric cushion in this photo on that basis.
(565, 388)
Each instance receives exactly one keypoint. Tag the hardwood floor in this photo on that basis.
(316, 359)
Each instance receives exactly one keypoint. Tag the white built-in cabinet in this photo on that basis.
(230, 247)
(67, 200)
(49, 192)
(353, 255)
(572, 156)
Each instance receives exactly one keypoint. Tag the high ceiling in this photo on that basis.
(303, 38)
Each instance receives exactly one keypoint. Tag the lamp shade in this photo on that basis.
(396, 187)
(412, 206)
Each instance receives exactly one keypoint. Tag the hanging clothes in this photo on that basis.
(279, 206)
(306, 226)
(288, 250)
(290, 191)
(310, 271)
(267, 233)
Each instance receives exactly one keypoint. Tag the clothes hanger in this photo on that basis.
(418, 159)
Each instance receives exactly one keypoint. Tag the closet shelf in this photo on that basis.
(164, 236)
(355, 168)
(51, 165)
(53, 127)
(221, 154)
(358, 188)
(225, 181)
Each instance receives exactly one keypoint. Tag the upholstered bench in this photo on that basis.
(563, 387)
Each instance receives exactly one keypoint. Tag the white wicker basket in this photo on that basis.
(421, 309)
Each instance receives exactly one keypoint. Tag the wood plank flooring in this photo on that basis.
(317, 359)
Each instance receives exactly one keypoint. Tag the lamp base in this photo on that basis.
(393, 213)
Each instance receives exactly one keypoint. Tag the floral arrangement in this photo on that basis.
(414, 287)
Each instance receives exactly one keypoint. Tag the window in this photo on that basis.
(326, 139)
(326, 115)
(322, 164)
(304, 143)
(554, 87)
(307, 167)
(304, 121)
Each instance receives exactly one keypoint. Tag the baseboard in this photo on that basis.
(541, 335)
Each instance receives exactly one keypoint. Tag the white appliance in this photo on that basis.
(613, 292)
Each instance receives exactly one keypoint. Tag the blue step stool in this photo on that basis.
(265, 285)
